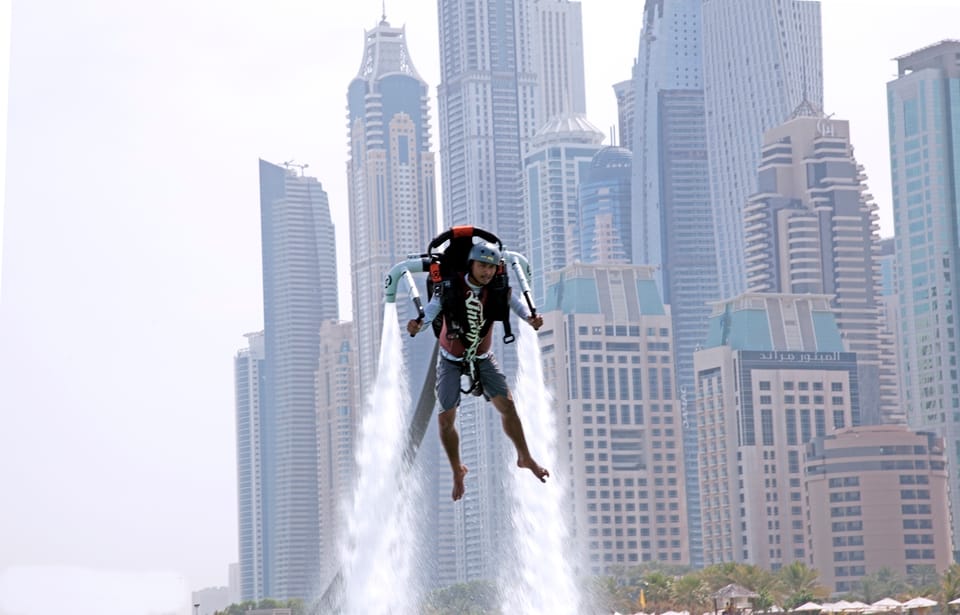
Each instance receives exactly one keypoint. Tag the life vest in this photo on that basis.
(447, 271)
(462, 309)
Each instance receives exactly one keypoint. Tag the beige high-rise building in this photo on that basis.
(337, 425)
(877, 498)
(812, 227)
(773, 375)
(608, 358)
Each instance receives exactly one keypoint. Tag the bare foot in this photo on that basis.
(458, 487)
(534, 467)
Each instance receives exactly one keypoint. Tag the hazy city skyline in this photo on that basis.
(131, 250)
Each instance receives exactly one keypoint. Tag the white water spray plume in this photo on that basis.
(542, 580)
(381, 550)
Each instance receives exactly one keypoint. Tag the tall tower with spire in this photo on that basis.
(391, 176)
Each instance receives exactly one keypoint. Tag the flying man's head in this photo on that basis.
(485, 252)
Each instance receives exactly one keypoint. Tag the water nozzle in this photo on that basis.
(521, 270)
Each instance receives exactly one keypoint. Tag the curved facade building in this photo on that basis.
(299, 295)
(877, 498)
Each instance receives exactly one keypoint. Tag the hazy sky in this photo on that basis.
(131, 253)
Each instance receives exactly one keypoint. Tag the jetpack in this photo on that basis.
(445, 258)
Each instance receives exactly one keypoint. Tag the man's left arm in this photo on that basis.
(520, 308)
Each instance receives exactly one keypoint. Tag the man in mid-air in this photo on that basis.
(465, 349)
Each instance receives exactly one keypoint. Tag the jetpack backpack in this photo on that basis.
(449, 252)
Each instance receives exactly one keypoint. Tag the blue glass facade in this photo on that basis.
(672, 222)
(924, 123)
(248, 381)
(391, 183)
(299, 293)
(605, 198)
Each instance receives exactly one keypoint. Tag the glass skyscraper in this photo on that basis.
(560, 155)
(923, 106)
(299, 294)
(487, 100)
(605, 207)
(672, 224)
(393, 209)
(248, 381)
(494, 56)
(393, 206)
(761, 59)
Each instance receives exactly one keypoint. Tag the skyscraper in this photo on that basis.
(885, 491)
(393, 206)
(299, 294)
(605, 207)
(488, 113)
(764, 377)
(488, 97)
(558, 38)
(625, 93)
(923, 105)
(391, 181)
(608, 356)
(560, 154)
(248, 380)
(337, 426)
(812, 228)
(761, 59)
(890, 304)
(672, 223)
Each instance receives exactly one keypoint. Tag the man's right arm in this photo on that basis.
(430, 312)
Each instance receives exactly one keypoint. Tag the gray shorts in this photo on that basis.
(448, 381)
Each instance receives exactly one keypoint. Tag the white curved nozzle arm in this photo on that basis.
(521, 269)
(402, 270)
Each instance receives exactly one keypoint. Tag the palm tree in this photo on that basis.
(690, 593)
(612, 594)
(949, 586)
(923, 579)
(799, 584)
(718, 575)
(882, 583)
(658, 590)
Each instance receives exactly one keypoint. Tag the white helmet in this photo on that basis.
(485, 253)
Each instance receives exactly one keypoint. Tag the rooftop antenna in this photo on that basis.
(384, 4)
(293, 164)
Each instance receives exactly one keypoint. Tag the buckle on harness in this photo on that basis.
(469, 370)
